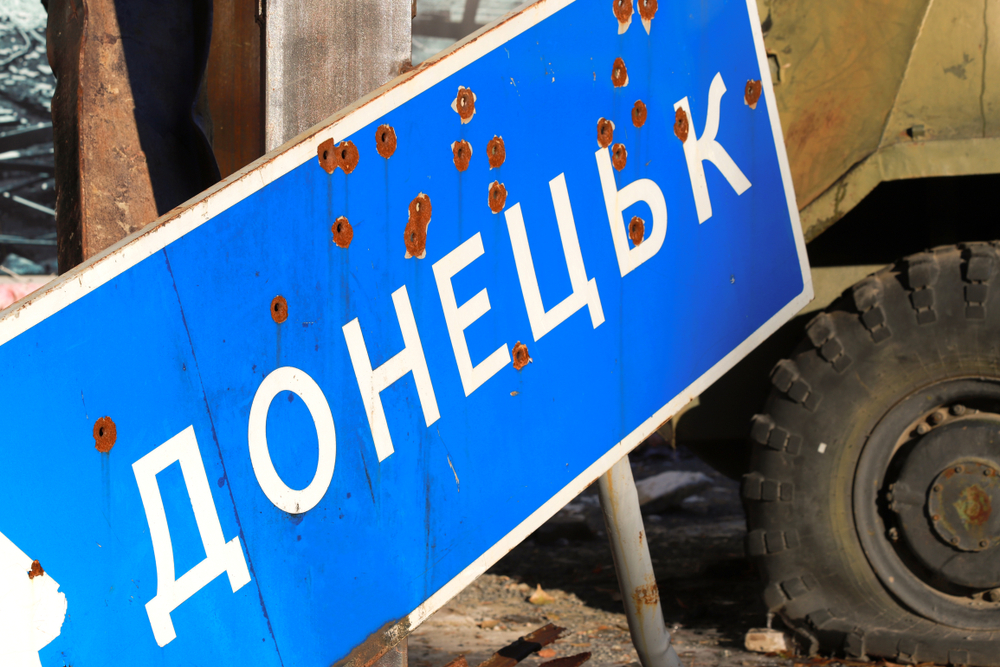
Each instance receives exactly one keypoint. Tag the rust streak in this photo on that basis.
(521, 357)
(36, 570)
(637, 230)
(605, 132)
(496, 152)
(105, 434)
(646, 595)
(415, 232)
(343, 233)
(752, 93)
(461, 154)
(639, 113)
(681, 125)
(385, 141)
(279, 309)
(498, 196)
(376, 645)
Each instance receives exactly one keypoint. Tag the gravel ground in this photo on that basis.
(707, 586)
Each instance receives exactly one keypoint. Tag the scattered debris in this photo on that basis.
(670, 488)
(540, 597)
(766, 640)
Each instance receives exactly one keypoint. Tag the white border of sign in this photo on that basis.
(125, 254)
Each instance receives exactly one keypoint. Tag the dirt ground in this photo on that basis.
(707, 586)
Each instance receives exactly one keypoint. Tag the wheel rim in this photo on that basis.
(926, 487)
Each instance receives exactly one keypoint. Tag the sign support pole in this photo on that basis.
(630, 548)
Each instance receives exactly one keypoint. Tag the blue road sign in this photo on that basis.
(296, 415)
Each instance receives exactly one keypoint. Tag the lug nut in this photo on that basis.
(936, 517)
(992, 596)
(984, 543)
(893, 535)
(959, 469)
(923, 428)
(954, 540)
(937, 417)
(958, 410)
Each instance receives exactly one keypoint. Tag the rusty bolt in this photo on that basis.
(989, 472)
(938, 488)
(342, 232)
(958, 410)
(105, 435)
(461, 154)
(992, 596)
(893, 534)
(619, 74)
(983, 544)
(279, 309)
(936, 517)
(415, 239)
(347, 156)
(619, 156)
(959, 469)
(520, 354)
(496, 153)
(605, 132)
(647, 10)
(623, 11)
(751, 95)
(954, 540)
(498, 196)
(681, 125)
(636, 230)
(923, 428)
(420, 209)
(464, 104)
(326, 156)
(639, 113)
(937, 417)
(385, 141)
(36, 570)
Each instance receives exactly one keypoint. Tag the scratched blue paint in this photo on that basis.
(184, 338)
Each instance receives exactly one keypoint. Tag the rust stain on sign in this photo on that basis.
(343, 233)
(420, 209)
(639, 113)
(344, 155)
(520, 354)
(385, 141)
(619, 75)
(415, 232)
(647, 10)
(465, 104)
(496, 152)
(752, 93)
(605, 132)
(105, 435)
(36, 570)
(347, 153)
(325, 154)
(637, 230)
(376, 645)
(461, 153)
(498, 196)
(647, 595)
(619, 156)
(279, 309)
(623, 12)
(681, 125)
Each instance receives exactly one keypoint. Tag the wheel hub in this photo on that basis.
(960, 504)
(944, 499)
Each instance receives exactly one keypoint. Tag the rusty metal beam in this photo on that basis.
(127, 144)
(234, 84)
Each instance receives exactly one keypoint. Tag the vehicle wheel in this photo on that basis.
(875, 467)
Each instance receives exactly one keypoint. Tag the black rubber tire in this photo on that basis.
(930, 318)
